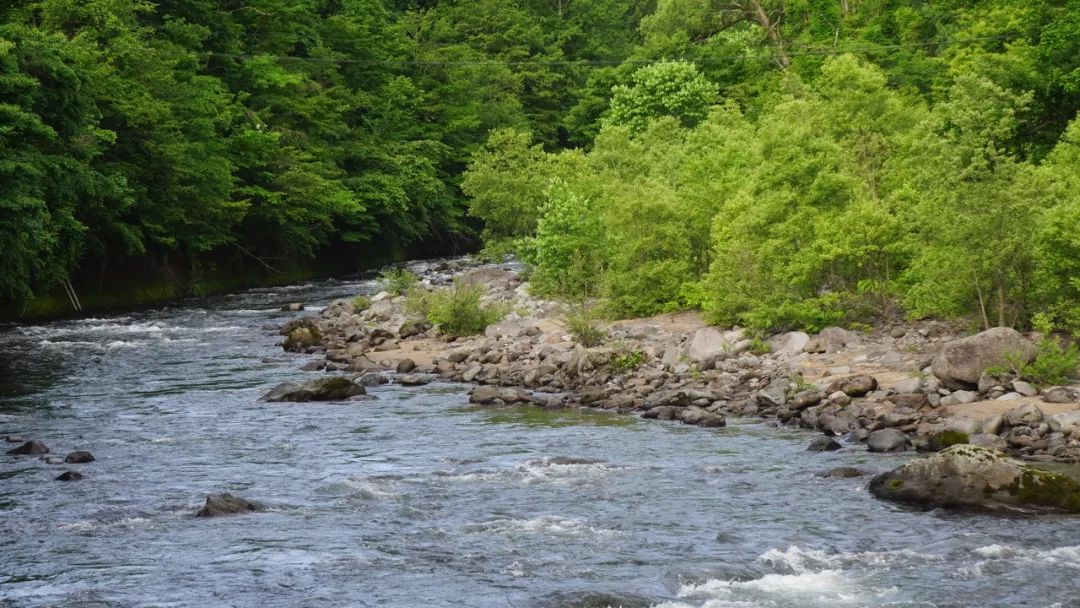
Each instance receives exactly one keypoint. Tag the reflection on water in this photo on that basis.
(419, 499)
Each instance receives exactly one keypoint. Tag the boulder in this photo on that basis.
(332, 388)
(789, 344)
(709, 344)
(1061, 394)
(293, 307)
(218, 505)
(961, 362)
(487, 395)
(831, 340)
(972, 477)
(405, 366)
(988, 441)
(909, 386)
(79, 457)
(807, 398)
(700, 417)
(823, 444)
(301, 339)
(414, 379)
(853, 386)
(960, 397)
(842, 473)
(412, 328)
(69, 476)
(1025, 415)
(1065, 422)
(887, 440)
(30, 448)
(1024, 388)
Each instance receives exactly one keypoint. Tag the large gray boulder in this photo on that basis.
(831, 340)
(332, 388)
(887, 440)
(961, 362)
(972, 477)
(709, 344)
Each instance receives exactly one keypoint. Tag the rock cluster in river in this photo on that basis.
(702, 375)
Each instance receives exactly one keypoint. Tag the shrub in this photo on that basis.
(398, 281)
(418, 302)
(626, 358)
(1054, 362)
(458, 310)
(583, 324)
(361, 303)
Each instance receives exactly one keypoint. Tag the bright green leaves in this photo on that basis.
(664, 89)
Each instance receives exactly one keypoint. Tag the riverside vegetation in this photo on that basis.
(776, 164)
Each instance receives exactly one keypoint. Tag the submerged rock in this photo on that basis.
(79, 457)
(69, 476)
(30, 448)
(218, 505)
(334, 388)
(968, 476)
(823, 444)
(842, 473)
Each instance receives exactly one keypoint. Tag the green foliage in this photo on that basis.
(568, 250)
(626, 359)
(361, 303)
(1054, 362)
(398, 281)
(458, 310)
(759, 346)
(674, 88)
(583, 323)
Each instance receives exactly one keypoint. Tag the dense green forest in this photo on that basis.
(776, 163)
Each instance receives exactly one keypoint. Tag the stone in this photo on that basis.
(218, 505)
(293, 307)
(887, 440)
(972, 477)
(414, 379)
(960, 397)
(79, 457)
(963, 424)
(831, 340)
(1061, 394)
(332, 388)
(806, 398)
(909, 386)
(661, 412)
(789, 344)
(853, 386)
(301, 339)
(1024, 388)
(823, 444)
(961, 362)
(405, 366)
(708, 344)
(700, 417)
(772, 396)
(839, 398)
(413, 327)
(470, 374)
(1065, 422)
(457, 356)
(842, 473)
(989, 441)
(1027, 414)
(487, 395)
(69, 476)
(30, 448)
(898, 332)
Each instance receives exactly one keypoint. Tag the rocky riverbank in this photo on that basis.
(893, 388)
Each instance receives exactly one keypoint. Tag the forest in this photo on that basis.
(775, 163)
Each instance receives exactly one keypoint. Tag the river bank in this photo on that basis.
(419, 498)
(881, 388)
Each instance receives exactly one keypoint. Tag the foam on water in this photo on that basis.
(549, 525)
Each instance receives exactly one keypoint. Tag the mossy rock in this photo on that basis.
(971, 477)
(946, 439)
(301, 339)
(332, 388)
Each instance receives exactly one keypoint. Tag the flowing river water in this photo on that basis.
(418, 499)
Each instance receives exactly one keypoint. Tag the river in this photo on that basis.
(420, 500)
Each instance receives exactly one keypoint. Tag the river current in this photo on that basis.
(420, 500)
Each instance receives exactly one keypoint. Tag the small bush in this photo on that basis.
(418, 302)
(583, 324)
(626, 358)
(458, 310)
(1054, 362)
(759, 346)
(398, 281)
(361, 303)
